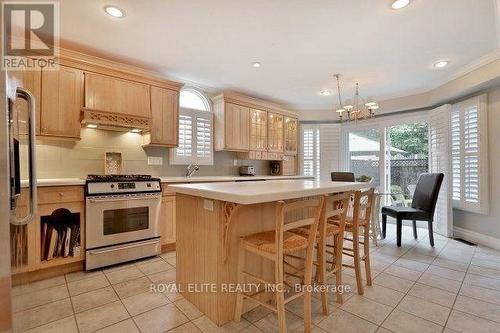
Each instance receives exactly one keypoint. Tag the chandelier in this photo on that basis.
(359, 109)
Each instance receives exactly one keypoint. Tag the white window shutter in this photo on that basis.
(439, 160)
(185, 136)
(309, 154)
(329, 149)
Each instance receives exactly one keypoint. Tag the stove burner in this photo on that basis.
(118, 178)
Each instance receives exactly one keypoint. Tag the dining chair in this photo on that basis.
(422, 207)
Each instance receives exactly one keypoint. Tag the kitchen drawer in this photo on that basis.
(58, 194)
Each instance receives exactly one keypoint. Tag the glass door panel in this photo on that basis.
(364, 154)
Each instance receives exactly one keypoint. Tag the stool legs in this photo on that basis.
(280, 295)
(239, 298)
(338, 266)
(366, 254)
(357, 260)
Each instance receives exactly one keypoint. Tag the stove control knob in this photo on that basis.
(112, 185)
(149, 185)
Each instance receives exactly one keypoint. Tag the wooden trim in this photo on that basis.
(46, 273)
(168, 247)
(5, 304)
(115, 119)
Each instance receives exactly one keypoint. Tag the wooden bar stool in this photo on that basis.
(330, 244)
(358, 223)
(274, 245)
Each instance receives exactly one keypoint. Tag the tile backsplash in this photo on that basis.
(60, 159)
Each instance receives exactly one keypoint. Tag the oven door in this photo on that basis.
(119, 219)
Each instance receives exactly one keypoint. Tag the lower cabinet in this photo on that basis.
(167, 220)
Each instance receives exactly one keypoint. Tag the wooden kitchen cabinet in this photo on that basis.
(61, 102)
(164, 118)
(275, 132)
(258, 130)
(291, 138)
(167, 220)
(110, 94)
(232, 127)
(32, 81)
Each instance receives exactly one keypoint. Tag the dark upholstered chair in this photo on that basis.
(343, 177)
(422, 207)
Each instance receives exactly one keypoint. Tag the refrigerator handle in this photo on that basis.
(26, 95)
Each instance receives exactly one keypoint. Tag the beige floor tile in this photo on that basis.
(446, 273)
(160, 319)
(132, 287)
(383, 295)
(86, 285)
(188, 309)
(345, 322)
(486, 263)
(119, 267)
(483, 294)
(478, 308)
(75, 276)
(154, 266)
(403, 322)
(403, 272)
(42, 315)
(171, 254)
(424, 309)
(126, 326)
(415, 256)
(171, 261)
(40, 297)
(163, 277)
(411, 264)
(464, 322)
(140, 303)
(129, 273)
(270, 322)
(93, 299)
(65, 325)
(431, 294)
(297, 308)
(439, 282)
(186, 328)
(256, 314)
(38, 285)
(486, 272)
(367, 309)
(100, 317)
(393, 282)
(482, 281)
(450, 264)
(383, 330)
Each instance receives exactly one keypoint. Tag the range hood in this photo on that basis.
(114, 121)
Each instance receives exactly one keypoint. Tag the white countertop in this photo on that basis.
(272, 190)
(79, 181)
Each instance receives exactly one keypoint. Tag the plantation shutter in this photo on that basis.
(469, 155)
(204, 149)
(329, 150)
(310, 151)
(185, 136)
(439, 160)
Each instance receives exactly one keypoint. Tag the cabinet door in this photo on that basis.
(291, 125)
(164, 117)
(258, 130)
(61, 102)
(110, 94)
(31, 80)
(275, 132)
(167, 219)
(236, 127)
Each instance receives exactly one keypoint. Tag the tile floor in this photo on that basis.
(451, 288)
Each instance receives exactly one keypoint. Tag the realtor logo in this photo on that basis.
(30, 35)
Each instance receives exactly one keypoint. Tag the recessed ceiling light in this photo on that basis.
(91, 125)
(114, 11)
(135, 130)
(398, 4)
(325, 92)
(441, 64)
(256, 64)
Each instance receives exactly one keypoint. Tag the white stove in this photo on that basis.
(122, 219)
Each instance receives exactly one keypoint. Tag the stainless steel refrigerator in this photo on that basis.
(10, 179)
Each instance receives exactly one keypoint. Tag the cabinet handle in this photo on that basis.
(61, 194)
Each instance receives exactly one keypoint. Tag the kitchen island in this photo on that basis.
(210, 219)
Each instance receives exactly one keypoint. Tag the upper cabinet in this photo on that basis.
(291, 136)
(258, 130)
(61, 101)
(275, 132)
(231, 126)
(164, 118)
(115, 95)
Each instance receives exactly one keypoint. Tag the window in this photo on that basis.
(311, 151)
(469, 155)
(195, 130)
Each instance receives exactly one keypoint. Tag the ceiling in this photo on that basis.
(300, 43)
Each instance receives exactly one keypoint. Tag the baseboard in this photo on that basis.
(476, 238)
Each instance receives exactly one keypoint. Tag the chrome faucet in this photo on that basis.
(191, 168)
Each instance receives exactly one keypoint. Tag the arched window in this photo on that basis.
(195, 130)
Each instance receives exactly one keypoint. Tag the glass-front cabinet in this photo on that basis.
(258, 130)
(275, 132)
(291, 125)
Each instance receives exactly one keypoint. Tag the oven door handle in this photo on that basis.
(122, 247)
(96, 200)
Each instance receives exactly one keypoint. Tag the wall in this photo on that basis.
(488, 224)
(59, 159)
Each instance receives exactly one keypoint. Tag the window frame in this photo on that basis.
(195, 114)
